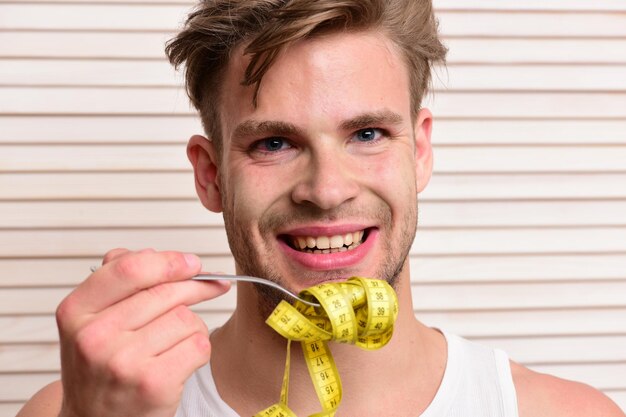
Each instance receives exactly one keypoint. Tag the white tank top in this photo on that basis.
(477, 382)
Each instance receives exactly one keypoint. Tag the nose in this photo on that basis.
(327, 181)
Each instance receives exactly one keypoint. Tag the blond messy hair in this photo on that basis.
(266, 27)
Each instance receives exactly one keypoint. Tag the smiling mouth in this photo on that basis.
(326, 244)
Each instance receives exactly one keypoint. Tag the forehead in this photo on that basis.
(321, 80)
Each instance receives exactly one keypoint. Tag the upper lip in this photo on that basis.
(325, 230)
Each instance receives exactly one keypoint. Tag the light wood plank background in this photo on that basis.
(522, 243)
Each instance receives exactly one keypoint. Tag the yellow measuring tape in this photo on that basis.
(359, 311)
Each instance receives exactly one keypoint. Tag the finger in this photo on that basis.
(166, 331)
(178, 363)
(128, 274)
(113, 254)
(141, 308)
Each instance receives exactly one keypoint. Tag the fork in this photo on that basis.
(263, 281)
(214, 277)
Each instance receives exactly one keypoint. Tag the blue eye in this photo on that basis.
(272, 144)
(367, 135)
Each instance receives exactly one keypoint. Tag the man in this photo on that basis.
(317, 149)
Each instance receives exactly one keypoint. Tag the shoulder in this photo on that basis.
(46, 402)
(540, 395)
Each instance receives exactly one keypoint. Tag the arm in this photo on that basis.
(540, 395)
(128, 339)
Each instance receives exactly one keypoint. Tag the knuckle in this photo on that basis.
(153, 390)
(120, 369)
(202, 344)
(90, 341)
(127, 267)
(112, 254)
(184, 315)
(64, 314)
(175, 262)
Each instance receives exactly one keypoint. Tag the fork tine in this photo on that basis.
(247, 278)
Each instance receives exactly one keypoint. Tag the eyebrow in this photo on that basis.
(361, 121)
(267, 127)
(278, 128)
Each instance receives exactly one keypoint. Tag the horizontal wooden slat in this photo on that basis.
(32, 215)
(527, 105)
(522, 214)
(30, 358)
(137, 45)
(427, 297)
(530, 77)
(520, 241)
(535, 351)
(527, 132)
(107, 214)
(10, 409)
(530, 159)
(66, 272)
(113, 101)
(493, 324)
(151, 130)
(30, 272)
(94, 158)
(439, 4)
(169, 17)
(24, 72)
(97, 16)
(517, 268)
(37, 329)
(571, 5)
(521, 186)
(45, 301)
(179, 185)
(121, 129)
(55, 272)
(87, 185)
(20, 387)
(555, 350)
(129, 45)
(529, 24)
(166, 157)
(148, 2)
(600, 376)
(173, 101)
(204, 241)
(512, 50)
(89, 72)
(528, 323)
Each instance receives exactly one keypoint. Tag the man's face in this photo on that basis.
(319, 182)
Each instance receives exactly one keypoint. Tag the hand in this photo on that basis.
(128, 339)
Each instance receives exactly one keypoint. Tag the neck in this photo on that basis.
(259, 353)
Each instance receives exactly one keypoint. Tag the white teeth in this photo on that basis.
(336, 241)
(328, 244)
(323, 242)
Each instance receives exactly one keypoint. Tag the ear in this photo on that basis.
(203, 156)
(423, 148)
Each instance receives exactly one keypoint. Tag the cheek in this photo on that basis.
(395, 174)
(253, 193)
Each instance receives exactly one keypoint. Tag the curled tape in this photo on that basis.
(359, 311)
